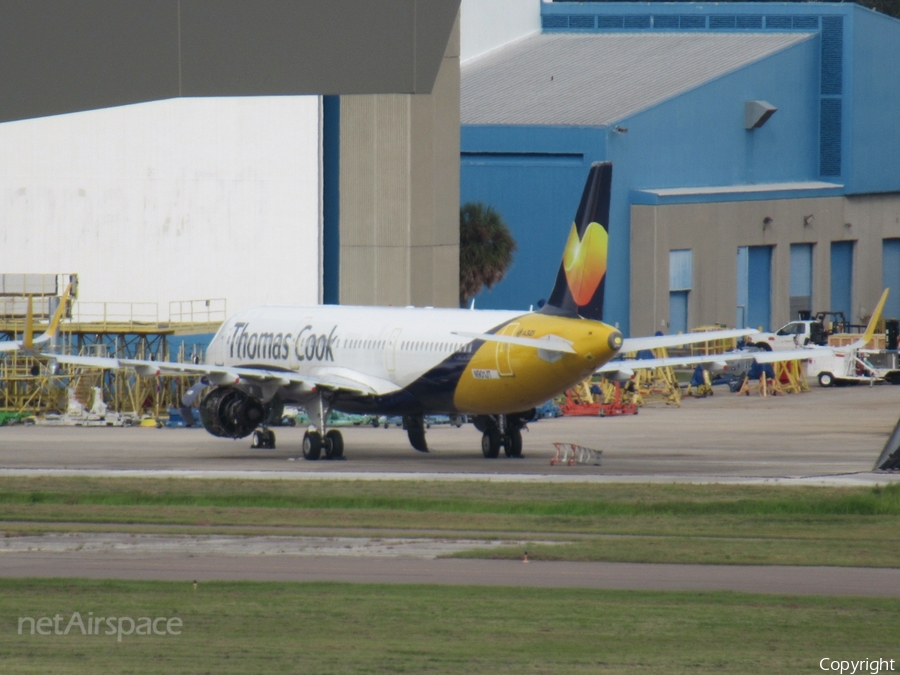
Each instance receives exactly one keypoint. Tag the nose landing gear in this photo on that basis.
(263, 439)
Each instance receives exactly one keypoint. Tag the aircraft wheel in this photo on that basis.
(312, 445)
(263, 438)
(490, 444)
(513, 443)
(826, 379)
(335, 441)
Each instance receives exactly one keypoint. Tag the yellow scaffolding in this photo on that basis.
(133, 330)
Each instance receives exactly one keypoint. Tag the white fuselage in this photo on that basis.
(389, 360)
(394, 344)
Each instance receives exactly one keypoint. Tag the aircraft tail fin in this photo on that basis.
(28, 337)
(873, 322)
(580, 281)
(57, 315)
(29, 342)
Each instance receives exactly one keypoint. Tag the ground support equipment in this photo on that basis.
(570, 453)
(577, 405)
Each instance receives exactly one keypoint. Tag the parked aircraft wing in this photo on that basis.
(343, 381)
(715, 362)
(793, 354)
(637, 344)
(631, 365)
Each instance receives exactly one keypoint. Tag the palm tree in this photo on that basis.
(485, 249)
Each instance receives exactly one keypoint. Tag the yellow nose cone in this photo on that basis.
(504, 378)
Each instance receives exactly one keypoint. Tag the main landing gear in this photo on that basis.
(317, 442)
(315, 446)
(498, 431)
(502, 431)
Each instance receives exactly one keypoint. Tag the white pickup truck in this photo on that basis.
(793, 335)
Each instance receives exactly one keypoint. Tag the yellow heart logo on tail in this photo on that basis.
(585, 262)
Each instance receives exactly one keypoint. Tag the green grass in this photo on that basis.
(460, 497)
(616, 522)
(330, 628)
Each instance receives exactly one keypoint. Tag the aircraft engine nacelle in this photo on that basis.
(230, 413)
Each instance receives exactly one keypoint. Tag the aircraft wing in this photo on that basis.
(342, 379)
(630, 365)
(794, 354)
(715, 362)
(638, 344)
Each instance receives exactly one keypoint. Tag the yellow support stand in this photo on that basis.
(792, 371)
(658, 383)
(702, 390)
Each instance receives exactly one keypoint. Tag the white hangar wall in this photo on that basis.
(486, 25)
(171, 200)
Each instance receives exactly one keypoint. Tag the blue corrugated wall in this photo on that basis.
(871, 123)
(534, 177)
(696, 139)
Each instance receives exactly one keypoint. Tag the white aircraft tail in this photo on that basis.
(28, 341)
(873, 323)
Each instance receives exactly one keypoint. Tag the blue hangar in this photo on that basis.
(756, 154)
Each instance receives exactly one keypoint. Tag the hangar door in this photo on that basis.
(842, 278)
(801, 279)
(754, 287)
(681, 275)
(890, 276)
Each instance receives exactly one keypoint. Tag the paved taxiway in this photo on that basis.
(396, 560)
(829, 436)
(875, 582)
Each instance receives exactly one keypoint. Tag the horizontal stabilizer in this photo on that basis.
(550, 343)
